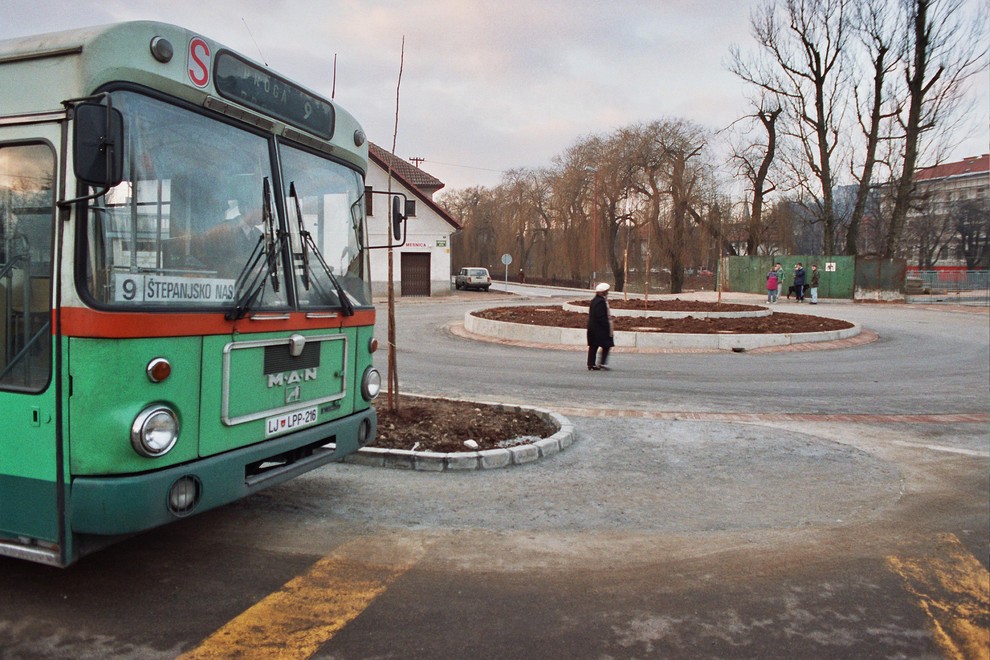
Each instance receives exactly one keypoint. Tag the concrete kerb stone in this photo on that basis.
(503, 330)
(488, 459)
(524, 454)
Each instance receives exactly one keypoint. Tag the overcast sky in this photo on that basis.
(489, 85)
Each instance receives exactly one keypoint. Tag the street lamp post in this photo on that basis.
(628, 223)
(625, 260)
(594, 234)
(646, 278)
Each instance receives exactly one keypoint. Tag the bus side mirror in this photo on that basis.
(398, 215)
(98, 145)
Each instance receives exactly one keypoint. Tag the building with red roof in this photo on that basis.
(421, 266)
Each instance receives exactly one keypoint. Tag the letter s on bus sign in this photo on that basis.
(198, 62)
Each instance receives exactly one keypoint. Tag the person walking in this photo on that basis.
(600, 333)
(815, 276)
(772, 282)
(799, 276)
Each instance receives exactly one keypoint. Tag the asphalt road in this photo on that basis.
(820, 503)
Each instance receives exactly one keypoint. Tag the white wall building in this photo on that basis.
(421, 267)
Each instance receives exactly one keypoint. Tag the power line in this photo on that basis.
(467, 167)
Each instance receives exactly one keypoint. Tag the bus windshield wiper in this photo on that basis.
(252, 279)
(247, 291)
(303, 234)
(309, 244)
(273, 237)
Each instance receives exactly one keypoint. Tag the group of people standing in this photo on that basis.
(775, 283)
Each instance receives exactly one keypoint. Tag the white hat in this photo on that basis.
(602, 287)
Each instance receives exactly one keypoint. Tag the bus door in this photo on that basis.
(29, 501)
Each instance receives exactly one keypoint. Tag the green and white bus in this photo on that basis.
(185, 302)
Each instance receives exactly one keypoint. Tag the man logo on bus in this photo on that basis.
(198, 62)
(291, 377)
(293, 394)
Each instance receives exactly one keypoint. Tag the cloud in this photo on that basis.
(486, 86)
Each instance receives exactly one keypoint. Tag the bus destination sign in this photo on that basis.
(149, 288)
(245, 83)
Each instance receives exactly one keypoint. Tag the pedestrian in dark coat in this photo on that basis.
(799, 281)
(599, 329)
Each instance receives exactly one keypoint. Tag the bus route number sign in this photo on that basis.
(289, 421)
(261, 90)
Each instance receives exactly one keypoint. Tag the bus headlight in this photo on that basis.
(371, 383)
(154, 431)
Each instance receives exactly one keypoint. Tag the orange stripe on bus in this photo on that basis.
(84, 322)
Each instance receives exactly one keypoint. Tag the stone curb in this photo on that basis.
(648, 340)
(645, 313)
(460, 461)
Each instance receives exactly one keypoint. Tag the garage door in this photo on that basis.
(415, 274)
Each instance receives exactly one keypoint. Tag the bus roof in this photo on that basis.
(47, 69)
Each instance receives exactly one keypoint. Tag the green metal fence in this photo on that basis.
(963, 286)
(853, 278)
(955, 280)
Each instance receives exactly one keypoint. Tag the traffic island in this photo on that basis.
(460, 414)
(712, 329)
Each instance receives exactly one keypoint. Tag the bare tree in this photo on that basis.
(973, 226)
(684, 182)
(478, 211)
(542, 211)
(565, 219)
(669, 176)
(941, 53)
(874, 25)
(574, 200)
(392, 391)
(754, 162)
(930, 231)
(802, 44)
(519, 213)
(611, 159)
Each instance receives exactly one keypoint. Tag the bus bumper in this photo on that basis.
(119, 505)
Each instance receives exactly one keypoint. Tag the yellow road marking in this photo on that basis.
(308, 610)
(953, 589)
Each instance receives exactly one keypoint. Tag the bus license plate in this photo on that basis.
(290, 421)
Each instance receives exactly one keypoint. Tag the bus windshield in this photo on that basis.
(198, 222)
(326, 218)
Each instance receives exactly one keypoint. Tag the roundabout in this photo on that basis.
(664, 325)
(438, 434)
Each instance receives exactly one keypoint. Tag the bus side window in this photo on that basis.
(26, 217)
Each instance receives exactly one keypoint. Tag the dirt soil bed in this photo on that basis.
(675, 305)
(443, 425)
(776, 323)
